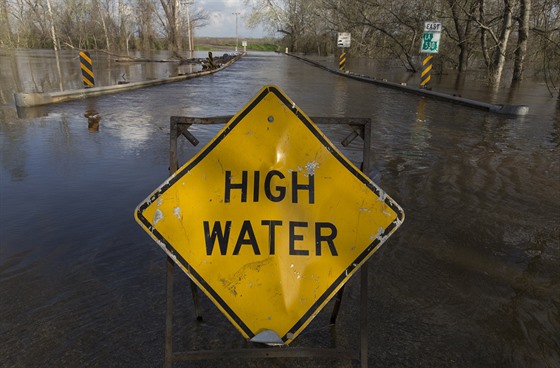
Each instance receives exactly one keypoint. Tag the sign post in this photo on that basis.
(429, 45)
(344, 40)
(87, 69)
(270, 232)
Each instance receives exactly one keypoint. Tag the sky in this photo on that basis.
(222, 19)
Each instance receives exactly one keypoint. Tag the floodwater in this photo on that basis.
(471, 279)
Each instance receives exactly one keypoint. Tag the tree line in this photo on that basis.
(100, 24)
(476, 33)
(489, 34)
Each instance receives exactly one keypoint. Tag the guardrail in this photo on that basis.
(47, 98)
(517, 110)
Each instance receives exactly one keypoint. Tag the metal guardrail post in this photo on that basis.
(169, 315)
(364, 270)
(179, 126)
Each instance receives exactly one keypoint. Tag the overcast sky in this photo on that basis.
(222, 19)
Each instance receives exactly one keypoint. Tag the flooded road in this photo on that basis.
(471, 279)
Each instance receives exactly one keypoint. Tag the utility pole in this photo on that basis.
(189, 29)
(236, 34)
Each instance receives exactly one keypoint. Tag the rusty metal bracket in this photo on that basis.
(179, 126)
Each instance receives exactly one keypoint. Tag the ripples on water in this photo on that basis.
(471, 279)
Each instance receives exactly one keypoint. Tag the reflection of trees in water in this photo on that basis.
(527, 289)
(340, 96)
(528, 318)
(9, 76)
(420, 131)
(2, 98)
(555, 134)
(13, 150)
(93, 119)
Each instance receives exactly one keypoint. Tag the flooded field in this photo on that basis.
(471, 279)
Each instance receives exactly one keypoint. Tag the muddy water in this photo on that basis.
(472, 278)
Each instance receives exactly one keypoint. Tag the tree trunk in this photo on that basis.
(53, 32)
(462, 32)
(499, 59)
(105, 32)
(522, 40)
(6, 29)
(483, 36)
(170, 7)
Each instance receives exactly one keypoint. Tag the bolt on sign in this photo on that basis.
(269, 219)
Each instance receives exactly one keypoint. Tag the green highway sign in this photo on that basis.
(430, 42)
(431, 37)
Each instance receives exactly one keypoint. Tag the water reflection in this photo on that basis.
(477, 259)
(59, 70)
(460, 81)
(93, 118)
(555, 134)
(13, 157)
(420, 133)
(47, 71)
(340, 96)
(31, 112)
(523, 319)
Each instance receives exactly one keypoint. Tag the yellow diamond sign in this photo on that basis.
(269, 219)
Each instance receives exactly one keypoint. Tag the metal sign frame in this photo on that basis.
(252, 173)
(179, 126)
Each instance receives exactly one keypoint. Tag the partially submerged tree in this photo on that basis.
(286, 17)
(6, 36)
(171, 24)
(493, 33)
(522, 38)
(462, 29)
(545, 28)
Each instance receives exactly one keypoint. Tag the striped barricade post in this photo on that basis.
(426, 71)
(87, 69)
(342, 60)
(211, 64)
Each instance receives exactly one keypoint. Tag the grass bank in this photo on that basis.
(218, 43)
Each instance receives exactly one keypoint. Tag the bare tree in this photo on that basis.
(171, 24)
(146, 14)
(463, 29)
(102, 17)
(6, 31)
(475, 30)
(294, 19)
(522, 39)
(545, 29)
(496, 67)
(498, 27)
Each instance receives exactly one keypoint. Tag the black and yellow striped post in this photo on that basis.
(211, 64)
(87, 69)
(342, 60)
(426, 69)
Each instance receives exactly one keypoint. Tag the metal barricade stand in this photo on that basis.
(179, 126)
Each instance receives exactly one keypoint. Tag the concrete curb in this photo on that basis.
(38, 99)
(515, 110)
